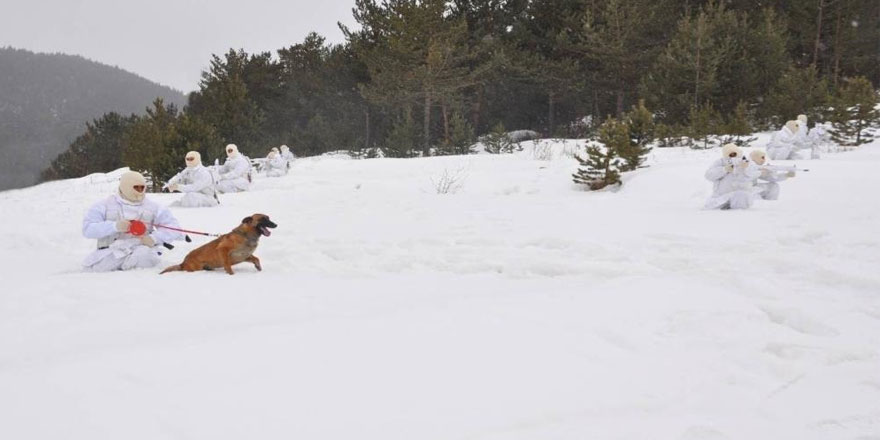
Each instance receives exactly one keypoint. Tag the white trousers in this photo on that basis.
(196, 200)
(779, 152)
(107, 260)
(769, 190)
(740, 199)
(275, 172)
(232, 185)
(792, 152)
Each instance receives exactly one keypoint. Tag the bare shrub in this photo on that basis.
(449, 181)
(543, 151)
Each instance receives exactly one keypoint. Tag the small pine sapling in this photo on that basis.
(602, 165)
(498, 141)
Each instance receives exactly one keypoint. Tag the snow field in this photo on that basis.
(517, 308)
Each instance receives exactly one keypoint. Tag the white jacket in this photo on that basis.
(235, 167)
(194, 179)
(276, 166)
(784, 144)
(99, 223)
(100, 220)
(727, 183)
(784, 136)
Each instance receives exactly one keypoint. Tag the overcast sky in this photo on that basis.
(166, 41)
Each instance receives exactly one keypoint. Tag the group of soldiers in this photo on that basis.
(131, 230)
(738, 180)
(201, 184)
(795, 141)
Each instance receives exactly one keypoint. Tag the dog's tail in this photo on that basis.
(175, 268)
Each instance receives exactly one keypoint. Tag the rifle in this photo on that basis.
(782, 168)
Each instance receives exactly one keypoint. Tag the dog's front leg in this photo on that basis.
(227, 262)
(256, 261)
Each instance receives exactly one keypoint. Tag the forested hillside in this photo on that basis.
(46, 100)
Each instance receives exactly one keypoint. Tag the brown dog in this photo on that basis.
(228, 249)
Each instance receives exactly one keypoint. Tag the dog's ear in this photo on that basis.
(246, 220)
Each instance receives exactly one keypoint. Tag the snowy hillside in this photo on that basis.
(517, 308)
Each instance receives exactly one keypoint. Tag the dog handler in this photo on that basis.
(120, 245)
(196, 181)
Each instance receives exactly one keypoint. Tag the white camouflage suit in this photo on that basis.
(118, 250)
(196, 182)
(234, 172)
(793, 142)
(732, 177)
(807, 140)
(276, 165)
(768, 181)
(784, 142)
(287, 155)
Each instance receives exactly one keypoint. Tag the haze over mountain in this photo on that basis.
(46, 100)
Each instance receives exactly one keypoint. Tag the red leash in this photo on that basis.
(186, 231)
(138, 228)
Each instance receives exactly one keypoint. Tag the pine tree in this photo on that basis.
(498, 141)
(619, 39)
(798, 90)
(541, 57)
(738, 128)
(854, 111)
(157, 142)
(197, 135)
(320, 80)
(757, 57)
(492, 26)
(718, 55)
(461, 136)
(640, 126)
(687, 72)
(402, 138)
(704, 121)
(317, 136)
(602, 165)
(225, 102)
(149, 144)
(666, 135)
(416, 55)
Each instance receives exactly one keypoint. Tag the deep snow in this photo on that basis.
(517, 308)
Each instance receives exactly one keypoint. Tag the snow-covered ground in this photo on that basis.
(517, 308)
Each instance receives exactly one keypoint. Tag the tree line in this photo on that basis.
(427, 77)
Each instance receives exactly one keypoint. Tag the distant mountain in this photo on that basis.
(46, 100)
